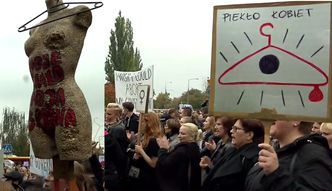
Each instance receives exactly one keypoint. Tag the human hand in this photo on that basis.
(131, 135)
(211, 145)
(268, 159)
(139, 149)
(163, 142)
(136, 156)
(205, 162)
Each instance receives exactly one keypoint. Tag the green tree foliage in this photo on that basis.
(162, 101)
(14, 131)
(175, 102)
(122, 56)
(196, 97)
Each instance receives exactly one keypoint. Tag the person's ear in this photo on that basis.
(250, 135)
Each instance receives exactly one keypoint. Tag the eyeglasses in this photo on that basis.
(235, 128)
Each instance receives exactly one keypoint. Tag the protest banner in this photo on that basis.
(272, 61)
(126, 85)
(41, 167)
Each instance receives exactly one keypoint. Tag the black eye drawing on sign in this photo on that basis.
(268, 66)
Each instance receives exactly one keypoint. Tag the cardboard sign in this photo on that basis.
(272, 61)
(143, 92)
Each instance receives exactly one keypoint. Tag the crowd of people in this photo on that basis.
(17, 177)
(186, 150)
(88, 175)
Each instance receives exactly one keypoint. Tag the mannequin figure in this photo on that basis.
(59, 117)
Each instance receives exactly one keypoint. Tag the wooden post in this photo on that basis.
(138, 138)
(267, 124)
(63, 172)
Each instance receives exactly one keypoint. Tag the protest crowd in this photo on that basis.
(19, 176)
(181, 150)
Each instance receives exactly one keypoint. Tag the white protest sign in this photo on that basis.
(41, 167)
(143, 98)
(272, 60)
(126, 85)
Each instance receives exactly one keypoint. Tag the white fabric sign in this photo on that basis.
(126, 84)
(38, 166)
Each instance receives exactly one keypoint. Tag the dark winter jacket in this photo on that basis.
(98, 171)
(131, 123)
(304, 164)
(119, 133)
(218, 154)
(116, 160)
(173, 171)
(230, 171)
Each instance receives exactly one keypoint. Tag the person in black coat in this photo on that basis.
(301, 163)
(230, 171)
(116, 144)
(130, 120)
(179, 170)
(142, 173)
(216, 150)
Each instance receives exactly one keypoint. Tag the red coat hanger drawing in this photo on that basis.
(269, 64)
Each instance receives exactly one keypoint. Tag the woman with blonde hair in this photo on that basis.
(113, 112)
(326, 131)
(142, 169)
(178, 169)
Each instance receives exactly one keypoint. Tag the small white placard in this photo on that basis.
(143, 92)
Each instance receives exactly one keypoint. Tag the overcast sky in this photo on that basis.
(175, 36)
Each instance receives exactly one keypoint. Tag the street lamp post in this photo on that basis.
(188, 88)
